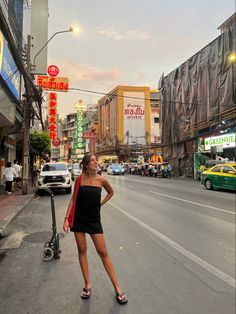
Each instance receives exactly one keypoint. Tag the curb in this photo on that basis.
(17, 210)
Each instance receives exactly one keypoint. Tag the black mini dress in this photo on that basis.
(87, 217)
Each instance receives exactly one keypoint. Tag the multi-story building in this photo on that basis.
(124, 123)
(68, 139)
(15, 32)
(198, 101)
(12, 44)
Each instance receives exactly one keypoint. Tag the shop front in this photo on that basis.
(218, 148)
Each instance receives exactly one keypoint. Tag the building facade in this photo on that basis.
(124, 123)
(198, 101)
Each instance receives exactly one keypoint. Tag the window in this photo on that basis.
(216, 169)
(54, 167)
(226, 169)
(156, 119)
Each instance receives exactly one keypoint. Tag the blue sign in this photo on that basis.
(8, 69)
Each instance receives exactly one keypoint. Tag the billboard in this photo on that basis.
(134, 118)
(8, 69)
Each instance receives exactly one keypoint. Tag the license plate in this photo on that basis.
(53, 184)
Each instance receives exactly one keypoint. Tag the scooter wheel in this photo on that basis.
(47, 254)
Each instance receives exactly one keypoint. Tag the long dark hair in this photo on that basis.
(85, 161)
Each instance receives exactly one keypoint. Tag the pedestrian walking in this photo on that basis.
(83, 216)
(17, 168)
(9, 174)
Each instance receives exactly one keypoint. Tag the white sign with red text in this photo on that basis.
(134, 118)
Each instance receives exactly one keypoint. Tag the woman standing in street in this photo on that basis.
(8, 175)
(87, 202)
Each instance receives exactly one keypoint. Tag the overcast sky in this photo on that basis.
(127, 42)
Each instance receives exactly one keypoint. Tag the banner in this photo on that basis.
(52, 115)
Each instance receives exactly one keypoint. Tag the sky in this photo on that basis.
(127, 42)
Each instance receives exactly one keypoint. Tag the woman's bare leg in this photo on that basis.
(83, 259)
(100, 245)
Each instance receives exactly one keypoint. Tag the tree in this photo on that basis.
(40, 143)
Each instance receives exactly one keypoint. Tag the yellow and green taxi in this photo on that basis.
(222, 176)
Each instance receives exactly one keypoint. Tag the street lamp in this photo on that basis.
(72, 29)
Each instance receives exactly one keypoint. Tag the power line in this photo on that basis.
(129, 97)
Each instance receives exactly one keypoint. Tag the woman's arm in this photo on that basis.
(66, 221)
(106, 185)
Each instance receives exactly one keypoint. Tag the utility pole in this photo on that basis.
(27, 104)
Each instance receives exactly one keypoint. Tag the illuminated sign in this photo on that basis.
(52, 115)
(80, 129)
(226, 140)
(8, 69)
(57, 84)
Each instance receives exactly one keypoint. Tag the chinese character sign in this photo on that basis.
(59, 84)
(52, 115)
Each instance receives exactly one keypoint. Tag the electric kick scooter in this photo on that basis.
(52, 248)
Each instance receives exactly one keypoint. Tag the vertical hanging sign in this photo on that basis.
(80, 109)
(80, 129)
(52, 115)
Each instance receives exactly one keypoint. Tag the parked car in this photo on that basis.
(220, 177)
(55, 176)
(75, 171)
(116, 169)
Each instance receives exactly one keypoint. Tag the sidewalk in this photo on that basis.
(12, 205)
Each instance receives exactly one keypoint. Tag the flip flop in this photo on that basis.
(85, 294)
(119, 298)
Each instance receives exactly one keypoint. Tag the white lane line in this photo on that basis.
(215, 271)
(199, 204)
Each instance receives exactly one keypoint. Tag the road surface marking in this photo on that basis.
(215, 271)
(199, 204)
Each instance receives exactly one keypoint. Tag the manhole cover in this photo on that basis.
(40, 237)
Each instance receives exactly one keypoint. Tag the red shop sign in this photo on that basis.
(53, 70)
(56, 142)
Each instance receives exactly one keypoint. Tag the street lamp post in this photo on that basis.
(27, 111)
(70, 30)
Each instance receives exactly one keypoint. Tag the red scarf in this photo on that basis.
(73, 202)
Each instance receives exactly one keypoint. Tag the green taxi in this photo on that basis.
(222, 176)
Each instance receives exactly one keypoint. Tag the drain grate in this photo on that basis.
(40, 237)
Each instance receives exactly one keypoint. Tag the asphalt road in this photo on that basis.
(172, 243)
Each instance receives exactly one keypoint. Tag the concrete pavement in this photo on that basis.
(12, 205)
(167, 253)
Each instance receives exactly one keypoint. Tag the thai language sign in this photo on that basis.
(8, 69)
(57, 84)
(52, 115)
(134, 118)
(133, 111)
(226, 140)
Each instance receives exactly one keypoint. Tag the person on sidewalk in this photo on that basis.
(8, 176)
(169, 170)
(87, 202)
(17, 180)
